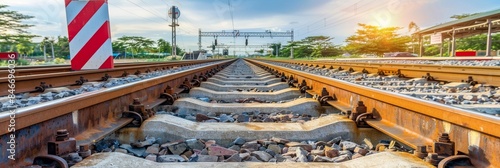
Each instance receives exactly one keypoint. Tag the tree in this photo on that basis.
(25, 48)
(312, 46)
(61, 47)
(12, 30)
(275, 47)
(414, 40)
(164, 46)
(119, 47)
(413, 26)
(135, 44)
(376, 40)
(142, 46)
(261, 51)
(478, 42)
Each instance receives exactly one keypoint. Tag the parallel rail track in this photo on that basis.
(27, 78)
(90, 114)
(412, 121)
(487, 75)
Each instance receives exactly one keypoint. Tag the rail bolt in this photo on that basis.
(62, 135)
(421, 152)
(84, 151)
(433, 158)
(62, 145)
(360, 109)
(444, 146)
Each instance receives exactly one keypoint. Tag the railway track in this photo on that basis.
(38, 78)
(450, 73)
(258, 111)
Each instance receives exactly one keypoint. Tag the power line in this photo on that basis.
(343, 20)
(136, 14)
(147, 10)
(231, 12)
(153, 9)
(336, 14)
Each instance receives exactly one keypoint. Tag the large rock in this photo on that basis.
(147, 142)
(139, 152)
(318, 152)
(207, 158)
(153, 149)
(271, 152)
(252, 159)
(178, 149)
(235, 147)
(253, 146)
(331, 152)
(262, 155)
(357, 155)
(195, 144)
(239, 141)
(301, 155)
(275, 148)
(210, 143)
(322, 159)
(279, 140)
(348, 145)
(368, 143)
(243, 118)
(341, 158)
(234, 158)
(151, 157)
(244, 156)
(170, 158)
(225, 118)
(307, 147)
(202, 117)
(360, 150)
(220, 151)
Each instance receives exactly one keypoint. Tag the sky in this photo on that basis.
(335, 18)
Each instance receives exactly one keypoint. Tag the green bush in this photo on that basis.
(59, 61)
(18, 62)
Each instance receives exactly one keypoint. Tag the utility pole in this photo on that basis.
(44, 54)
(291, 49)
(52, 46)
(174, 14)
(276, 47)
(278, 51)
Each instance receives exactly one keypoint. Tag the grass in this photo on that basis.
(5, 63)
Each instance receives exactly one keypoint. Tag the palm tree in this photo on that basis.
(413, 26)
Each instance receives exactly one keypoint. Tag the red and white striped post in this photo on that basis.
(89, 34)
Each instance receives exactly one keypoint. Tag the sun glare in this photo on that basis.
(382, 19)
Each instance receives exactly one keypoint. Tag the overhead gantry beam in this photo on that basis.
(237, 33)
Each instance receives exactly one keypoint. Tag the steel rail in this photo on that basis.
(413, 121)
(34, 114)
(27, 83)
(43, 69)
(485, 75)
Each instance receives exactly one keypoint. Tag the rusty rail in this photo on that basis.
(412, 121)
(44, 69)
(61, 76)
(87, 115)
(487, 75)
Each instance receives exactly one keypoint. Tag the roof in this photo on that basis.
(468, 21)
